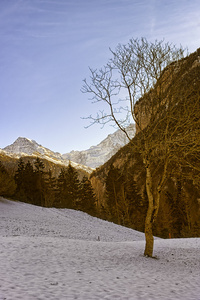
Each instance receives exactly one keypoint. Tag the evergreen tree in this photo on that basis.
(19, 180)
(7, 183)
(87, 196)
(177, 209)
(39, 165)
(68, 188)
(19, 175)
(49, 189)
(29, 183)
(39, 181)
(114, 181)
(61, 189)
(72, 187)
(137, 203)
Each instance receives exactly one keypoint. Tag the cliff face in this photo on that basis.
(179, 212)
(174, 79)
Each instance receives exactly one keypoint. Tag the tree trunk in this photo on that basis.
(153, 206)
(149, 217)
(149, 239)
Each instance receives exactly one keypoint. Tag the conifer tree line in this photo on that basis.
(126, 203)
(7, 183)
(32, 184)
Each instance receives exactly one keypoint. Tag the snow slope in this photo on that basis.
(48, 253)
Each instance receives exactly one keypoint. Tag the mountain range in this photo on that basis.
(97, 155)
(86, 159)
(25, 147)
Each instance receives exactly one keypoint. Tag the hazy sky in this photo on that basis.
(46, 47)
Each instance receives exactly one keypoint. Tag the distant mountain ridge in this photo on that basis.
(27, 147)
(96, 156)
(86, 159)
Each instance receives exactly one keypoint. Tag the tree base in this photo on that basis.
(154, 257)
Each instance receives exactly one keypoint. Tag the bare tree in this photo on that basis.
(133, 87)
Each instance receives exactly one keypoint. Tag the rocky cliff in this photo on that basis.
(174, 78)
(179, 212)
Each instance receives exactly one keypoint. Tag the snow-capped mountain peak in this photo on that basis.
(98, 155)
(30, 147)
(27, 147)
(86, 159)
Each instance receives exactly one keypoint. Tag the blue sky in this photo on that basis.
(46, 47)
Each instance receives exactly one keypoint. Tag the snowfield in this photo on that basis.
(48, 253)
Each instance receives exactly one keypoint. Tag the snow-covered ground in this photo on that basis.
(46, 253)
